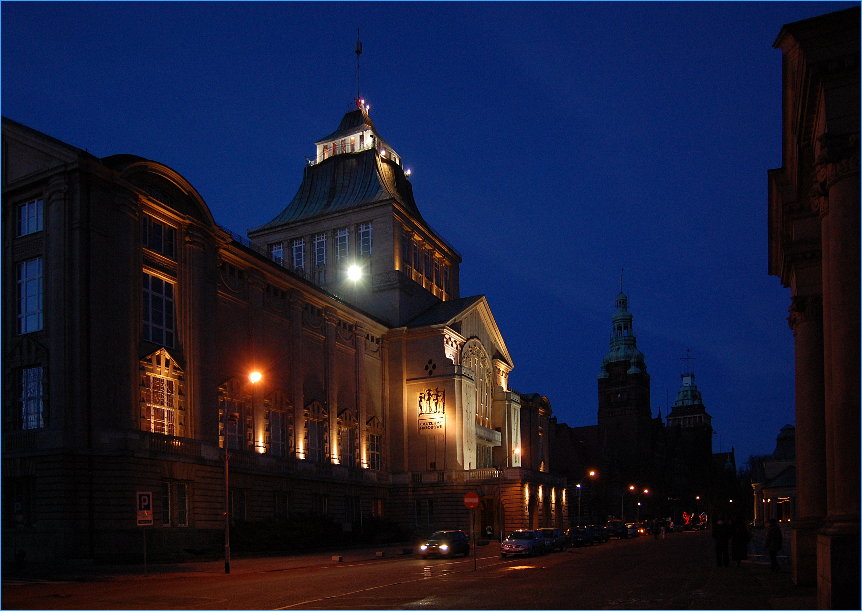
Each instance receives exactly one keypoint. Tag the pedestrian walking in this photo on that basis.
(721, 534)
(739, 538)
(774, 543)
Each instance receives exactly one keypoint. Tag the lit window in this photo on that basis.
(276, 252)
(334, 148)
(320, 249)
(365, 239)
(352, 143)
(158, 310)
(341, 244)
(158, 237)
(325, 151)
(30, 217)
(160, 395)
(298, 250)
(30, 295)
(30, 398)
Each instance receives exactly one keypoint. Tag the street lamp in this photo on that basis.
(254, 377)
(591, 474)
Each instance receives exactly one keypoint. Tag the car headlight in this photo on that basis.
(423, 547)
(444, 547)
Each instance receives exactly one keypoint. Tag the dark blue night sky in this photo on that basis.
(553, 144)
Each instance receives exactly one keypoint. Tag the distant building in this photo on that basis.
(814, 249)
(132, 321)
(773, 480)
(666, 468)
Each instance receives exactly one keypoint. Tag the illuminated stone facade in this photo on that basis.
(133, 320)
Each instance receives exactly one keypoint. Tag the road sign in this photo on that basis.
(144, 506)
(471, 500)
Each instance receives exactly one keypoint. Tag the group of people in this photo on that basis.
(732, 537)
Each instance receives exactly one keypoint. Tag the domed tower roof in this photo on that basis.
(623, 341)
(688, 409)
(353, 167)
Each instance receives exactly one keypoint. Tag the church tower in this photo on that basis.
(354, 229)
(624, 416)
(689, 442)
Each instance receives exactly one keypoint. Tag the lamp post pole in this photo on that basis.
(578, 486)
(226, 498)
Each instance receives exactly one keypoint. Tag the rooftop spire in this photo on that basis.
(358, 53)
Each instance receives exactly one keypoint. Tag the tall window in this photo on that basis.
(161, 406)
(375, 444)
(30, 398)
(158, 310)
(348, 438)
(30, 217)
(158, 237)
(316, 438)
(298, 249)
(276, 433)
(476, 359)
(341, 244)
(320, 249)
(365, 239)
(276, 252)
(30, 295)
(175, 503)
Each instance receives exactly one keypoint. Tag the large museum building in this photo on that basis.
(330, 357)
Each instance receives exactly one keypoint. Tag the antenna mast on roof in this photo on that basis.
(358, 53)
(687, 358)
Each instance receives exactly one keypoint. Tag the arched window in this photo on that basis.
(476, 358)
(162, 407)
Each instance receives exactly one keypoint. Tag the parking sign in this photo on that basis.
(145, 508)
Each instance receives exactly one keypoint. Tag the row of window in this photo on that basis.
(320, 253)
(424, 266)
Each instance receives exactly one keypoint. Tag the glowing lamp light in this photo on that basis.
(517, 451)
(408, 172)
(255, 376)
(354, 273)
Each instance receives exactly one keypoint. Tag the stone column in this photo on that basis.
(806, 320)
(838, 543)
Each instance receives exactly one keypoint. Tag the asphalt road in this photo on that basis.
(642, 573)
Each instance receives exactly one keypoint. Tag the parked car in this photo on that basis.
(445, 543)
(633, 529)
(523, 543)
(554, 539)
(578, 536)
(604, 532)
(617, 528)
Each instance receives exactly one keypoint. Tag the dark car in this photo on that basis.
(578, 536)
(554, 539)
(445, 543)
(523, 543)
(618, 529)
